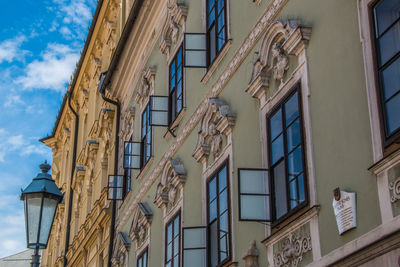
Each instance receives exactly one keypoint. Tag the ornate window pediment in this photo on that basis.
(127, 123)
(172, 179)
(140, 227)
(146, 85)
(281, 39)
(217, 122)
(122, 246)
(176, 17)
(292, 250)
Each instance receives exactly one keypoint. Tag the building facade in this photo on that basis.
(233, 133)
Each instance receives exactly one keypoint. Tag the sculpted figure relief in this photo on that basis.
(280, 61)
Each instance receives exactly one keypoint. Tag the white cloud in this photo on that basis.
(11, 226)
(76, 12)
(13, 100)
(10, 49)
(66, 32)
(36, 149)
(16, 141)
(52, 71)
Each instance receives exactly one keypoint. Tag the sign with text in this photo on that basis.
(345, 211)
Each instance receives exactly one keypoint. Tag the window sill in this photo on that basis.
(298, 219)
(145, 168)
(171, 129)
(385, 162)
(211, 69)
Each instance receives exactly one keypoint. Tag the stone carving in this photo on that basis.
(281, 38)
(122, 244)
(292, 250)
(146, 85)
(217, 121)
(172, 179)
(251, 255)
(394, 187)
(141, 223)
(176, 17)
(127, 119)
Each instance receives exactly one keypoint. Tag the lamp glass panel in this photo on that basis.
(49, 208)
(33, 213)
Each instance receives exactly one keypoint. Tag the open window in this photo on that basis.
(195, 47)
(254, 195)
(195, 246)
(158, 110)
(132, 155)
(115, 187)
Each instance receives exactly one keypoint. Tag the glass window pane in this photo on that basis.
(169, 251)
(389, 43)
(295, 162)
(195, 58)
(212, 189)
(176, 261)
(211, 4)
(179, 75)
(224, 222)
(275, 125)
(212, 210)
(176, 246)
(212, 41)
(179, 89)
(254, 181)
(221, 39)
(211, 17)
(221, 5)
(176, 226)
(293, 193)
(393, 114)
(169, 233)
(277, 149)
(222, 179)
(213, 243)
(391, 79)
(280, 190)
(302, 189)
(291, 109)
(223, 201)
(168, 264)
(254, 207)
(194, 238)
(179, 59)
(194, 258)
(386, 13)
(221, 21)
(293, 135)
(195, 42)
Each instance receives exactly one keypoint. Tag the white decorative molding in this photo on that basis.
(172, 179)
(281, 38)
(394, 187)
(127, 119)
(241, 53)
(251, 255)
(217, 121)
(146, 85)
(176, 17)
(140, 227)
(292, 250)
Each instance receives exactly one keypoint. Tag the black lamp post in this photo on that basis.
(41, 198)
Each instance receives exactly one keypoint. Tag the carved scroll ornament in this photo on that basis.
(146, 85)
(292, 250)
(394, 187)
(216, 123)
(173, 178)
(141, 223)
(281, 39)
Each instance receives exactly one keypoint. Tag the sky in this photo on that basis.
(40, 44)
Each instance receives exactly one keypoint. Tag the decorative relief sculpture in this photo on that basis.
(394, 187)
(173, 178)
(176, 17)
(217, 122)
(121, 249)
(292, 250)
(141, 223)
(127, 119)
(251, 255)
(281, 38)
(146, 85)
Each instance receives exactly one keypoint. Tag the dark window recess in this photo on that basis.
(201, 49)
(175, 86)
(194, 246)
(172, 242)
(115, 188)
(218, 224)
(286, 160)
(142, 259)
(146, 136)
(386, 15)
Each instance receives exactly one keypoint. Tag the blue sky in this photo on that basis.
(40, 43)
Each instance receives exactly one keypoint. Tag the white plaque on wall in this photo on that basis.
(345, 211)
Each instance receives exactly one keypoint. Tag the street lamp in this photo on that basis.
(41, 198)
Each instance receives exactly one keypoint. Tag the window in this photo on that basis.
(386, 15)
(142, 259)
(216, 27)
(175, 86)
(172, 247)
(146, 136)
(218, 225)
(286, 160)
(127, 177)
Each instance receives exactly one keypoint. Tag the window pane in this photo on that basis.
(291, 109)
(194, 238)
(275, 125)
(391, 79)
(254, 207)
(302, 189)
(295, 162)
(393, 114)
(277, 149)
(194, 258)
(224, 222)
(176, 261)
(179, 59)
(195, 58)
(221, 39)
(386, 13)
(176, 226)
(280, 190)
(293, 137)
(176, 246)
(254, 182)
(211, 4)
(222, 179)
(169, 233)
(211, 17)
(212, 189)
(212, 37)
(221, 21)
(213, 243)
(168, 264)
(195, 42)
(293, 193)
(213, 210)
(223, 201)
(389, 43)
(169, 251)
